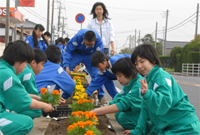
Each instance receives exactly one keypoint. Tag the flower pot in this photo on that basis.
(59, 111)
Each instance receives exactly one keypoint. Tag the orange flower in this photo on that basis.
(71, 127)
(89, 132)
(81, 124)
(55, 92)
(43, 90)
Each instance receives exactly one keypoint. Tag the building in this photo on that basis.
(28, 26)
(15, 17)
(172, 44)
(19, 35)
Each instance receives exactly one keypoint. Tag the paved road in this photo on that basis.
(190, 86)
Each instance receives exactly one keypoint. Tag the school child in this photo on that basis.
(27, 78)
(105, 75)
(126, 104)
(164, 102)
(60, 42)
(66, 41)
(63, 50)
(36, 40)
(54, 75)
(14, 99)
(45, 43)
(80, 49)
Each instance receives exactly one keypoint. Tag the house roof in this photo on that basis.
(172, 44)
(27, 24)
(18, 30)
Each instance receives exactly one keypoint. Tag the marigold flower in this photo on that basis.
(43, 90)
(71, 127)
(89, 132)
(56, 92)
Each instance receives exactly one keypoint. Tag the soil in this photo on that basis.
(60, 127)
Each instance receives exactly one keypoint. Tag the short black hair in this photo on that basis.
(60, 39)
(18, 51)
(47, 33)
(53, 53)
(90, 36)
(67, 39)
(39, 55)
(146, 51)
(98, 57)
(126, 67)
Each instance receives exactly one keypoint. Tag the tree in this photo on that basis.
(176, 50)
(147, 39)
(126, 51)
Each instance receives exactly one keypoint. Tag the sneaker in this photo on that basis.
(103, 101)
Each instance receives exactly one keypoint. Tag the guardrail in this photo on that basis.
(192, 69)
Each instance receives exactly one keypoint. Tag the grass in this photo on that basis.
(169, 69)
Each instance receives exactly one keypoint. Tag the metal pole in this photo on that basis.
(59, 18)
(135, 38)
(139, 38)
(197, 18)
(48, 6)
(15, 28)
(166, 31)
(63, 26)
(156, 34)
(7, 22)
(52, 34)
(22, 31)
(163, 41)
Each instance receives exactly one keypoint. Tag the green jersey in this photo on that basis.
(27, 78)
(164, 104)
(13, 95)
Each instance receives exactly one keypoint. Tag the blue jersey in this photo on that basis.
(54, 75)
(103, 76)
(77, 44)
(41, 44)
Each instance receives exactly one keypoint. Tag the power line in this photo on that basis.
(178, 25)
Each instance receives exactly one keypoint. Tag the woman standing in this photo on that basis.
(103, 26)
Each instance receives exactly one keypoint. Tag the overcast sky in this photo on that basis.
(126, 15)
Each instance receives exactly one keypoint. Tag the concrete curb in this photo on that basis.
(40, 126)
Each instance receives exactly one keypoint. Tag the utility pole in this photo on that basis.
(52, 34)
(163, 41)
(139, 38)
(197, 18)
(130, 42)
(15, 28)
(63, 26)
(7, 22)
(22, 31)
(165, 31)
(135, 37)
(156, 34)
(48, 6)
(59, 17)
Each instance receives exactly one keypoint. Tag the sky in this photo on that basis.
(126, 15)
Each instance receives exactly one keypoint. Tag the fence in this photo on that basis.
(191, 69)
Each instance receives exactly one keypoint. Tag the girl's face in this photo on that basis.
(99, 11)
(143, 65)
(19, 67)
(37, 67)
(122, 79)
(38, 33)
